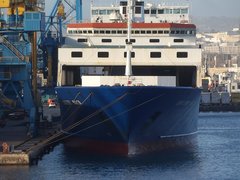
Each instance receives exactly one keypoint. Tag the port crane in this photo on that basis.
(52, 37)
(24, 30)
(18, 70)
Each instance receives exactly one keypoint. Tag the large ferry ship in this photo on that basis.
(128, 80)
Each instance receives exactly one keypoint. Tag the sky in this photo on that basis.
(199, 8)
(228, 8)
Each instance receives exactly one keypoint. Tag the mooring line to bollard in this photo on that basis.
(105, 120)
(47, 141)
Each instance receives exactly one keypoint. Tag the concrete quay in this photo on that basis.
(18, 148)
(14, 159)
(233, 107)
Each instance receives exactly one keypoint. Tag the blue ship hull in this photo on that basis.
(128, 120)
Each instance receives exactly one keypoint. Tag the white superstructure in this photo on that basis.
(148, 12)
(159, 47)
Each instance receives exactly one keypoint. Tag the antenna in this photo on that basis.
(128, 68)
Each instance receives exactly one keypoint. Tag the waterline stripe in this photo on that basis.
(171, 136)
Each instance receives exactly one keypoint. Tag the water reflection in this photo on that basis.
(173, 156)
(215, 155)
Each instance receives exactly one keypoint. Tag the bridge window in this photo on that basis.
(176, 11)
(102, 12)
(106, 40)
(76, 54)
(137, 32)
(124, 10)
(182, 54)
(182, 32)
(109, 11)
(103, 54)
(154, 32)
(154, 40)
(123, 3)
(138, 3)
(82, 40)
(238, 85)
(184, 11)
(191, 32)
(146, 11)
(153, 11)
(155, 54)
(132, 54)
(94, 12)
(167, 11)
(160, 11)
(178, 40)
(166, 32)
(131, 40)
(137, 10)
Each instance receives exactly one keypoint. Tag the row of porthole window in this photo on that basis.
(138, 10)
(189, 32)
(104, 54)
(82, 40)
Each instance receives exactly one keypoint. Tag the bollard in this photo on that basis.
(12, 148)
(5, 148)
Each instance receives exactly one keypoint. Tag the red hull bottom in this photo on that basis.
(100, 147)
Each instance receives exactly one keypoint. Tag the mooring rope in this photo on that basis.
(123, 112)
(79, 122)
(90, 94)
(105, 120)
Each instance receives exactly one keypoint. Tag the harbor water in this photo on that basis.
(215, 156)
